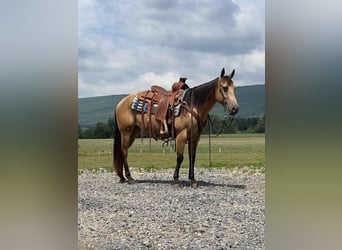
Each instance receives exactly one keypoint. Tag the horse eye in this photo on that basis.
(225, 89)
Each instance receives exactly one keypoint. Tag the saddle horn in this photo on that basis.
(182, 79)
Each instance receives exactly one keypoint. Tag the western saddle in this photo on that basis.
(164, 100)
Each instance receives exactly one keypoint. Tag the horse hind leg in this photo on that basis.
(127, 142)
(128, 175)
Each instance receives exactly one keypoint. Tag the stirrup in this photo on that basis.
(164, 131)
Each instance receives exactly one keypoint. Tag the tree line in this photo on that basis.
(239, 125)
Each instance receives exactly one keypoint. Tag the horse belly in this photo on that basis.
(150, 124)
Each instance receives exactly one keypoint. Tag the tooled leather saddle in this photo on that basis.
(164, 104)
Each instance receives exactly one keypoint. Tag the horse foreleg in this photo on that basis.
(192, 146)
(180, 143)
(176, 174)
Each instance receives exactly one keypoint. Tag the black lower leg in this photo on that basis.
(119, 172)
(192, 157)
(176, 174)
(192, 167)
(128, 173)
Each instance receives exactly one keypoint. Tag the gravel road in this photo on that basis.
(226, 211)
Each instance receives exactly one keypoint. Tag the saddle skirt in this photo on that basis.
(137, 105)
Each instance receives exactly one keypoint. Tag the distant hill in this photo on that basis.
(99, 109)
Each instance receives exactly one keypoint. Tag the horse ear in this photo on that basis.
(232, 74)
(222, 73)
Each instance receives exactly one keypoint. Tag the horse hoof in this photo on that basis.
(122, 181)
(194, 184)
(177, 184)
(130, 181)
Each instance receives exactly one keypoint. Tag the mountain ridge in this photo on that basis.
(91, 110)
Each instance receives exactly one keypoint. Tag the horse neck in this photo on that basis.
(206, 101)
(204, 108)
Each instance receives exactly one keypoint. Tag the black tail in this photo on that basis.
(118, 158)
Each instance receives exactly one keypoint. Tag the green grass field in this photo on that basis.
(233, 150)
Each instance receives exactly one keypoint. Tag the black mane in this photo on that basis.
(200, 94)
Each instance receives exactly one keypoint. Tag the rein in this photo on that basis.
(218, 132)
(201, 125)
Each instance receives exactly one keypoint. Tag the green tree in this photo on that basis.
(242, 124)
(216, 123)
(102, 130)
(87, 133)
(110, 124)
(80, 131)
(260, 126)
(231, 127)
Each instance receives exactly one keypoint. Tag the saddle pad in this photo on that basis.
(137, 105)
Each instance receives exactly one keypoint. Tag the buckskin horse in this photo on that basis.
(196, 104)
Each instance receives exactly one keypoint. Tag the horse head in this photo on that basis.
(225, 92)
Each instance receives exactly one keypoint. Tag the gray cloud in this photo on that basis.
(122, 43)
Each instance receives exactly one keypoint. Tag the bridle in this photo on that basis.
(211, 124)
(224, 90)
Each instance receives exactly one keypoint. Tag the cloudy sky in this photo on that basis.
(126, 46)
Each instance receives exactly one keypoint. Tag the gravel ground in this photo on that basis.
(226, 211)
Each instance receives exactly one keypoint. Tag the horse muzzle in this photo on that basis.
(233, 110)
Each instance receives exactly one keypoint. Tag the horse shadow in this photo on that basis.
(188, 183)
